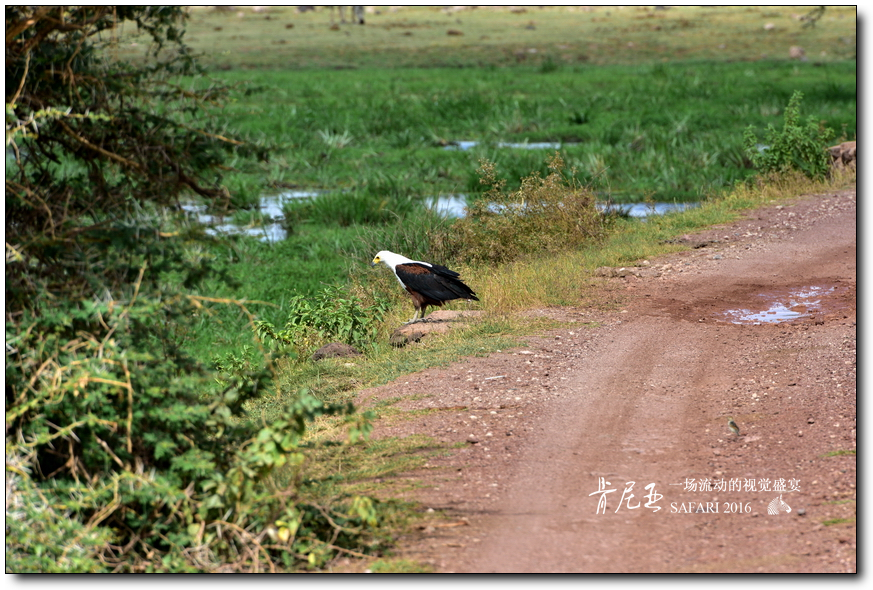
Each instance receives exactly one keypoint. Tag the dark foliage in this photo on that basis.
(97, 145)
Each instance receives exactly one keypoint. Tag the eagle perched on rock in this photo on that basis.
(427, 283)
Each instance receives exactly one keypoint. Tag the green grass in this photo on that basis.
(353, 469)
(654, 103)
(665, 131)
(339, 380)
(399, 566)
(835, 521)
(840, 453)
(670, 132)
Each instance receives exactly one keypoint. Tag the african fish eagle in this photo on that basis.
(428, 284)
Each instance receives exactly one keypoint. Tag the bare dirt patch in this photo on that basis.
(642, 394)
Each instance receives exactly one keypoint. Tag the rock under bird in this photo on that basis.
(427, 283)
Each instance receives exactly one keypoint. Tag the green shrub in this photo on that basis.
(332, 314)
(149, 457)
(796, 147)
(39, 538)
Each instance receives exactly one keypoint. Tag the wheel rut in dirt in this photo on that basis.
(619, 418)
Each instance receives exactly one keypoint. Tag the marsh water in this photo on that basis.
(268, 226)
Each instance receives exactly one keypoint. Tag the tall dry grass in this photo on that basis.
(544, 215)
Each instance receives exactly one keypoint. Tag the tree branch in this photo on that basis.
(22, 25)
(23, 78)
(98, 149)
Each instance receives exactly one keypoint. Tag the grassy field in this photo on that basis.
(665, 131)
(283, 38)
(645, 104)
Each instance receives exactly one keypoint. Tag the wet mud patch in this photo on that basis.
(785, 305)
(758, 304)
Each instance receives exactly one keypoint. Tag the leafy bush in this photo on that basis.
(796, 147)
(148, 459)
(544, 215)
(101, 143)
(331, 315)
(39, 538)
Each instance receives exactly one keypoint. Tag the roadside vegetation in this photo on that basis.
(163, 412)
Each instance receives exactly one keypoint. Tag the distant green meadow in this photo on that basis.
(645, 103)
(670, 132)
(642, 104)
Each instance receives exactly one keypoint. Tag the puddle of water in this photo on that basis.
(270, 229)
(453, 206)
(538, 145)
(646, 209)
(268, 232)
(794, 305)
(461, 146)
(448, 206)
(270, 207)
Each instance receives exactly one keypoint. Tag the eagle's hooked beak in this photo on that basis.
(376, 261)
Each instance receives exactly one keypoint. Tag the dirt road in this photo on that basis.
(641, 395)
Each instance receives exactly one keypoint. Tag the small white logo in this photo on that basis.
(778, 506)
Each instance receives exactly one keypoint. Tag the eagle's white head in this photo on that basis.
(390, 259)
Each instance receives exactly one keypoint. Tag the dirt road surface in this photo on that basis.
(640, 393)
